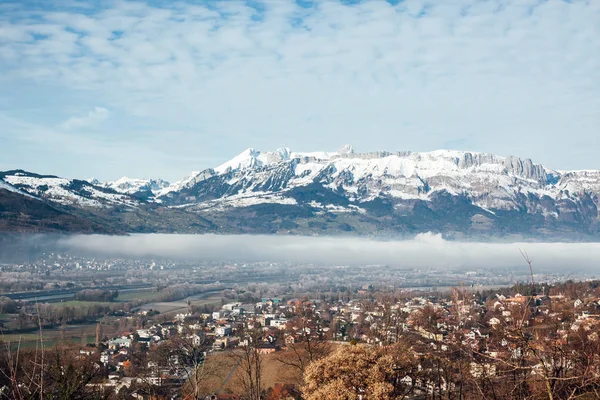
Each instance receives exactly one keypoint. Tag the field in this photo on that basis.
(86, 332)
(223, 365)
(181, 305)
(80, 304)
(223, 372)
(71, 333)
(143, 295)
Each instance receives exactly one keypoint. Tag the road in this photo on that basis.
(226, 381)
(53, 296)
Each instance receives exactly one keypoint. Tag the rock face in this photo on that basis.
(454, 192)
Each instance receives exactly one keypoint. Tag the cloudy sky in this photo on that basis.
(156, 89)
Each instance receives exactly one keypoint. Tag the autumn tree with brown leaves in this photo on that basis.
(361, 372)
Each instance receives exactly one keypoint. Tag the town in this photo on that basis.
(457, 343)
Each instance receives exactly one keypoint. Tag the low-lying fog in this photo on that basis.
(425, 250)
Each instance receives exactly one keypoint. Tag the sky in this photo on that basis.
(424, 251)
(160, 88)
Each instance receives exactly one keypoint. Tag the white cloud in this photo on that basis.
(91, 119)
(424, 251)
(506, 77)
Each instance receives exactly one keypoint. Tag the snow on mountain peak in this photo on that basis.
(402, 178)
(66, 191)
(252, 158)
(346, 149)
(189, 181)
(491, 180)
(247, 158)
(406, 175)
(284, 153)
(131, 185)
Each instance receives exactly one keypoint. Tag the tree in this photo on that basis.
(99, 334)
(67, 376)
(55, 373)
(7, 305)
(280, 392)
(22, 320)
(361, 372)
(249, 370)
(305, 339)
(187, 355)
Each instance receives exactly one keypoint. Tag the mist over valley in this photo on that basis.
(424, 251)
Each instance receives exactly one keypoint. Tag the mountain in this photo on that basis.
(382, 192)
(31, 202)
(65, 191)
(457, 193)
(140, 188)
(22, 212)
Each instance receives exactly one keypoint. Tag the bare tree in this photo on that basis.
(61, 375)
(304, 339)
(250, 368)
(186, 356)
(529, 262)
(99, 334)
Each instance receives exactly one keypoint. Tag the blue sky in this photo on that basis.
(160, 88)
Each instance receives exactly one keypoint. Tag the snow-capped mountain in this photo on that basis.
(492, 182)
(453, 192)
(134, 186)
(399, 186)
(64, 191)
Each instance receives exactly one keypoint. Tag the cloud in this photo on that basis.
(34, 144)
(424, 251)
(517, 77)
(91, 119)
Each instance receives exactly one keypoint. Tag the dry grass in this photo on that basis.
(143, 295)
(173, 307)
(221, 364)
(69, 333)
(274, 371)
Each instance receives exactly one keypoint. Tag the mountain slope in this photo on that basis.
(65, 191)
(76, 209)
(24, 213)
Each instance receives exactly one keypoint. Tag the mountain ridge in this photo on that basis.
(458, 193)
